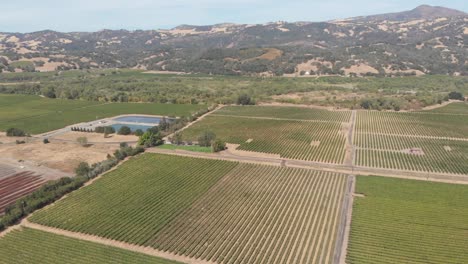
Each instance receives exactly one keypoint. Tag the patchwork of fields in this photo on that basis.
(33, 246)
(406, 221)
(294, 133)
(38, 115)
(209, 209)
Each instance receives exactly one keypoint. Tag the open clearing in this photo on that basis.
(38, 115)
(63, 156)
(233, 213)
(290, 132)
(28, 245)
(406, 221)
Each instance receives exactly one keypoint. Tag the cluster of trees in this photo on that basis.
(82, 129)
(456, 96)
(45, 195)
(208, 139)
(381, 104)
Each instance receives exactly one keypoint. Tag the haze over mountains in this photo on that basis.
(425, 40)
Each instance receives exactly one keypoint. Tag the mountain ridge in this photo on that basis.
(352, 47)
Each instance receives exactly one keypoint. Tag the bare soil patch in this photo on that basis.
(413, 151)
(97, 137)
(447, 148)
(232, 149)
(315, 143)
(63, 156)
(249, 140)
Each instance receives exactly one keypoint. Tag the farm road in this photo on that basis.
(346, 169)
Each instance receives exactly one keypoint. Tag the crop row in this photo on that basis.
(406, 221)
(17, 186)
(133, 203)
(432, 125)
(416, 154)
(261, 214)
(303, 140)
(33, 246)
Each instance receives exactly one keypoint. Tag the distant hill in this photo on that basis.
(425, 40)
(420, 12)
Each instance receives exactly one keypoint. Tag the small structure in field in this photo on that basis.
(315, 143)
(414, 151)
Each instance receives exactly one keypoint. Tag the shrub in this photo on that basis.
(124, 130)
(83, 141)
(177, 139)
(46, 141)
(245, 99)
(18, 142)
(15, 132)
(218, 145)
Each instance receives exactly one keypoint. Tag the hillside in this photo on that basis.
(426, 40)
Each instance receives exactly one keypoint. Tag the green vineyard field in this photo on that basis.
(210, 209)
(419, 124)
(133, 203)
(34, 246)
(261, 214)
(313, 140)
(394, 152)
(407, 221)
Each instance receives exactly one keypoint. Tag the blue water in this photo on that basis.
(132, 127)
(140, 119)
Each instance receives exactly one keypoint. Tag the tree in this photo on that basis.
(456, 96)
(139, 132)
(163, 124)
(83, 141)
(218, 145)
(206, 139)
(46, 141)
(82, 169)
(149, 139)
(124, 130)
(177, 138)
(245, 99)
(15, 132)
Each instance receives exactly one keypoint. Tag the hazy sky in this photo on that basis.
(92, 15)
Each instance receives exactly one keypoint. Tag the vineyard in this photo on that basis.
(411, 124)
(406, 221)
(16, 186)
(425, 142)
(38, 115)
(209, 209)
(157, 188)
(261, 214)
(394, 152)
(312, 140)
(34, 246)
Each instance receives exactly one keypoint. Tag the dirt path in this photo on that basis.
(350, 149)
(345, 225)
(432, 107)
(114, 243)
(352, 170)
